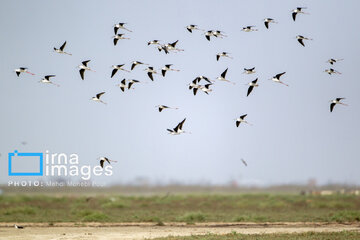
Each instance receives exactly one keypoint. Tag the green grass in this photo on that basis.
(181, 208)
(346, 235)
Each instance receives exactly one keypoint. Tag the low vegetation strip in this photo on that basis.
(344, 235)
(181, 208)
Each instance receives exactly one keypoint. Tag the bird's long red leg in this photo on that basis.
(31, 73)
(284, 84)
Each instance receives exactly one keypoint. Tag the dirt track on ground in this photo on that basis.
(137, 231)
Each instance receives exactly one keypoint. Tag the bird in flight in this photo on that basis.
(267, 21)
(301, 39)
(103, 159)
(117, 37)
(178, 129)
(135, 63)
(61, 49)
(167, 68)
(206, 88)
(223, 77)
(120, 26)
(209, 34)
(97, 98)
(170, 47)
(249, 70)
(241, 119)
(154, 42)
(199, 78)
(131, 82)
(46, 79)
(333, 60)
(249, 29)
(84, 67)
(243, 161)
(192, 27)
(331, 71)
(116, 68)
(194, 86)
(252, 84)
(276, 78)
(162, 107)
(336, 101)
(296, 11)
(122, 85)
(222, 54)
(22, 70)
(150, 72)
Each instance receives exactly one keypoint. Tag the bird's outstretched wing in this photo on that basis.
(150, 76)
(332, 106)
(63, 46)
(249, 90)
(113, 72)
(82, 73)
(99, 94)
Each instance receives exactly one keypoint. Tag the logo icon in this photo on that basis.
(25, 164)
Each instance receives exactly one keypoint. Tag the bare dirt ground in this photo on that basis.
(137, 231)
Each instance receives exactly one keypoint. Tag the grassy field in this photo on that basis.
(301, 236)
(180, 208)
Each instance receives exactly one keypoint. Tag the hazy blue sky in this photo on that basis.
(294, 136)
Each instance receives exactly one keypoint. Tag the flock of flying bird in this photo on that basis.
(194, 85)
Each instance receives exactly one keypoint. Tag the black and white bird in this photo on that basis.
(241, 119)
(122, 85)
(223, 77)
(296, 11)
(84, 67)
(135, 63)
(162, 107)
(276, 78)
(120, 26)
(22, 70)
(171, 47)
(336, 101)
(131, 82)
(206, 88)
(331, 71)
(167, 68)
(267, 21)
(117, 37)
(97, 98)
(301, 39)
(194, 86)
(61, 49)
(154, 42)
(150, 72)
(192, 27)
(218, 33)
(252, 84)
(46, 79)
(249, 70)
(116, 68)
(222, 54)
(103, 159)
(18, 226)
(249, 29)
(199, 78)
(243, 161)
(333, 60)
(178, 129)
(209, 34)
